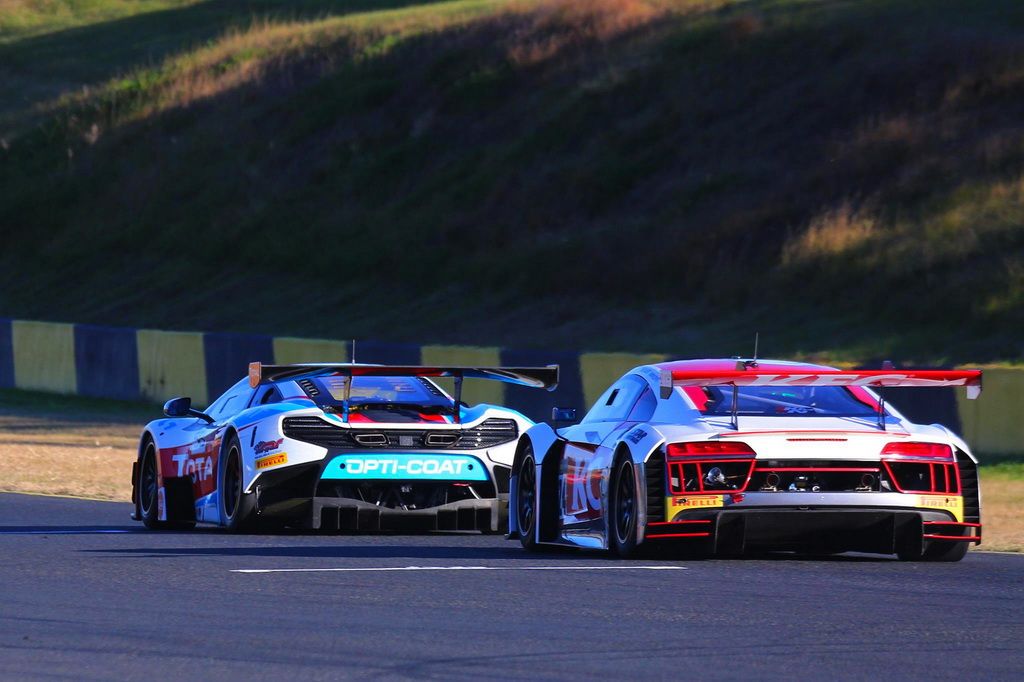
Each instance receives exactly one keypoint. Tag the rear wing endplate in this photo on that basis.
(924, 378)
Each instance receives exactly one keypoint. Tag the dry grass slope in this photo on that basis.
(844, 177)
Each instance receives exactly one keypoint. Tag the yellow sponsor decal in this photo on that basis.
(676, 504)
(272, 460)
(950, 503)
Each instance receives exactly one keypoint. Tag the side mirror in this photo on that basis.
(563, 414)
(182, 407)
(178, 407)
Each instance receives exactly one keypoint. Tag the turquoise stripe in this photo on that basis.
(405, 466)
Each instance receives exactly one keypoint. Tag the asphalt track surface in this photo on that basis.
(86, 594)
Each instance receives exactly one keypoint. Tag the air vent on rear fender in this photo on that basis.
(309, 387)
(655, 473)
(969, 487)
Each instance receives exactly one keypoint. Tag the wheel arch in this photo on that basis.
(543, 440)
(229, 431)
(145, 439)
(639, 444)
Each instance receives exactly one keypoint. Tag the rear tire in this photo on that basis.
(623, 509)
(938, 551)
(527, 502)
(945, 551)
(237, 508)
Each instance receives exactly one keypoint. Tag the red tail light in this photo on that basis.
(925, 451)
(709, 466)
(710, 449)
(921, 467)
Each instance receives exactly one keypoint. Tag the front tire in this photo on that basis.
(146, 485)
(237, 508)
(527, 502)
(623, 509)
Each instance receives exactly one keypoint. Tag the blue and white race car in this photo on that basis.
(344, 447)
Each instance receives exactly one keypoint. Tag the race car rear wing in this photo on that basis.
(532, 377)
(971, 378)
(747, 374)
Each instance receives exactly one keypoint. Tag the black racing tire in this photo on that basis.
(146, 488)
(622, 509)
(526, 503)
(237, 508)
(938, 551)
(945, 551)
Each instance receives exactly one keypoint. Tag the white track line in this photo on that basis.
(458, 568)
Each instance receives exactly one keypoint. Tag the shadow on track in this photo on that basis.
(67, 530)
(390, 551)
(461, 552)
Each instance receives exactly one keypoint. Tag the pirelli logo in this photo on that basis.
(272, 460)
(951, 503)
(715, 501)
(674, 505)
(938, 502)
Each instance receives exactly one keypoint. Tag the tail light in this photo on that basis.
(709, 467)
(921, 467)
(925, 451)
(710, 448)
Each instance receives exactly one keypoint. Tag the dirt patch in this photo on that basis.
(78, 455)
(1000, 513)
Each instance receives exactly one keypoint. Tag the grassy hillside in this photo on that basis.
(665, 175)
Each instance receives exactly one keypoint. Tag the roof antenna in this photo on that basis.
(352, 360)
(742, 365)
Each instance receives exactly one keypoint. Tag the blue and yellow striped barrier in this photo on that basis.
(149, 364)
(155, 365)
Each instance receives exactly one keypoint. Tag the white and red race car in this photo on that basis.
(335, 447)
(734, 456)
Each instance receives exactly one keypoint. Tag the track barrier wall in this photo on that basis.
(154, 365)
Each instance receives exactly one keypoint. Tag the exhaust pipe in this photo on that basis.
(771, 482)
(867, 482)
(715, 477)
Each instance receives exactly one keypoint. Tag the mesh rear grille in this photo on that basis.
(490, 432)
(319, 432)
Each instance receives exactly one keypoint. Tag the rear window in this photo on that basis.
(383, 390)
(781, 401)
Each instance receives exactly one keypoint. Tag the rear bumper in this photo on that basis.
(882, 531)
(343, 514)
